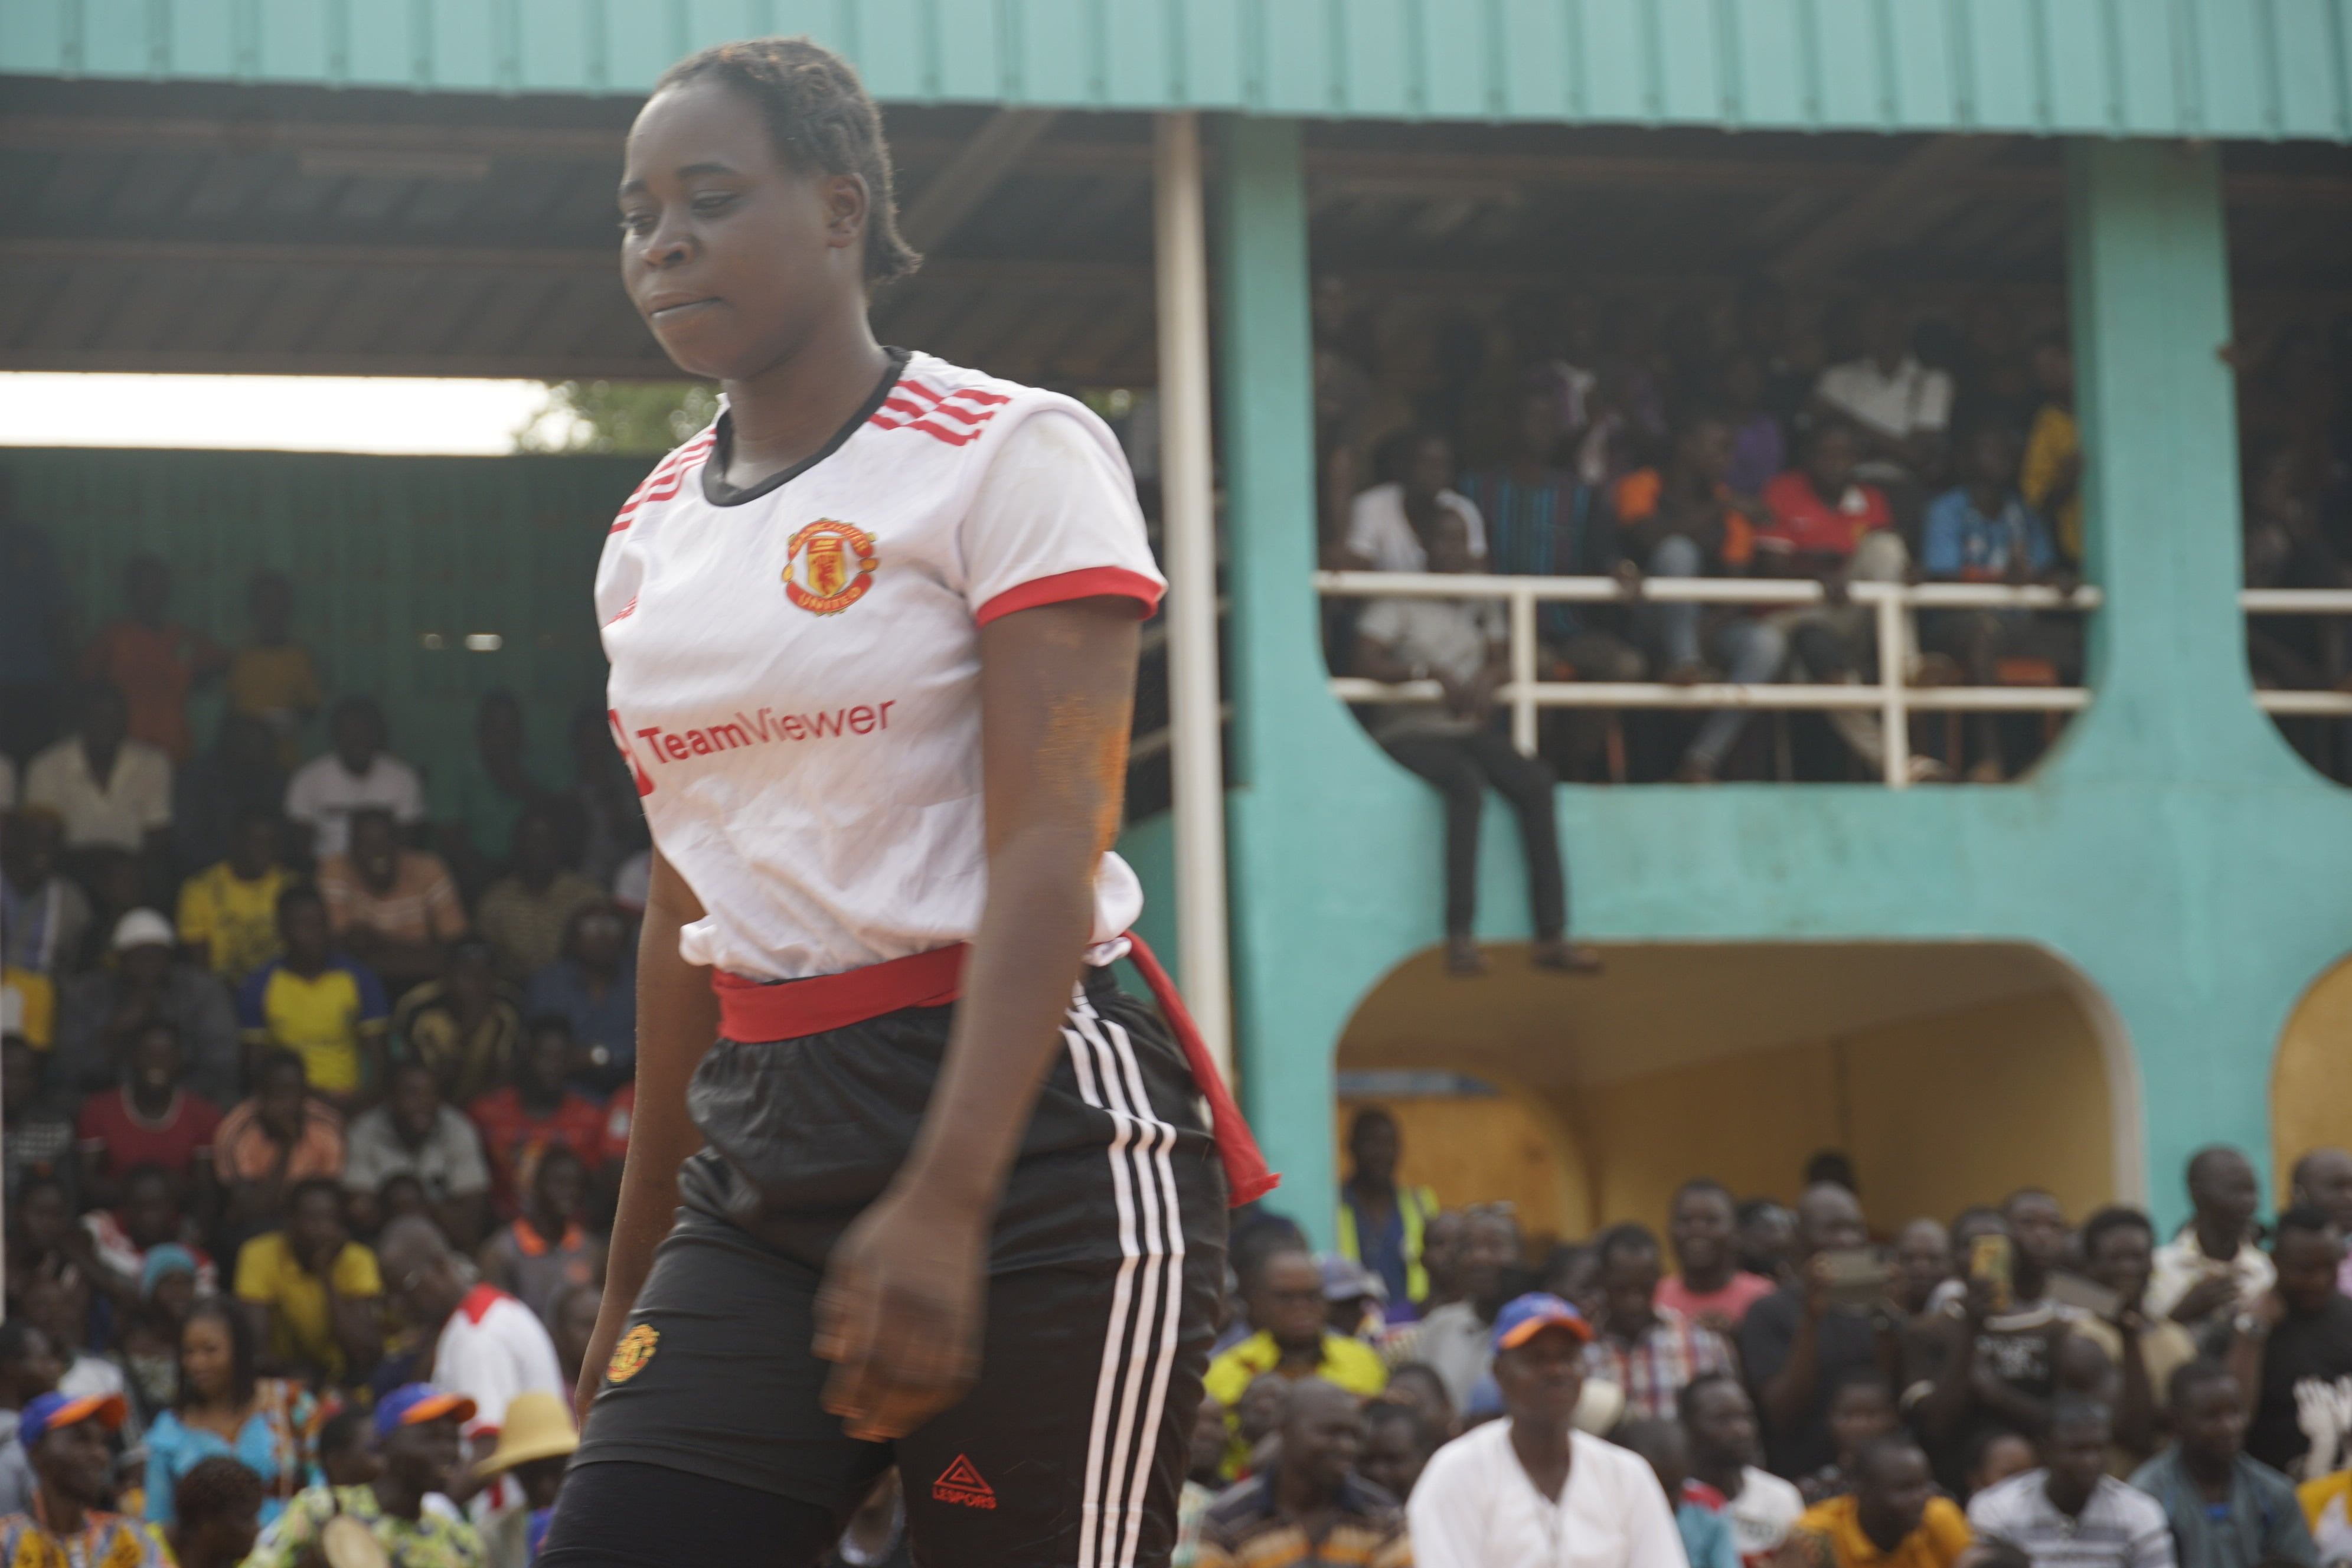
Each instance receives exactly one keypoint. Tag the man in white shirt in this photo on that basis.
(2212, 1269)
(1901, 407)
(1390, 524)
(324, 792)
(112, 793)
(1530, 1491)
(486, 1345)
(2073, 1514)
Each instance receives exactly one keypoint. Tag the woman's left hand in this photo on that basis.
(900, 1313)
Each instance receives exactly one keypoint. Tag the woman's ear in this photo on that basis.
(846, 204)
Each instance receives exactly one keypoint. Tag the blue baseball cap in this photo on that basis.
(412, 1403)
(51, 1411)
(1529, 1315)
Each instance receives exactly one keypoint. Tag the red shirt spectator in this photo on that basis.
(524, 1119)
(116, 1136)
(153, 661)
(1805, 523)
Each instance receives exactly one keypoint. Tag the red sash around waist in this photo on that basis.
(751, 1010)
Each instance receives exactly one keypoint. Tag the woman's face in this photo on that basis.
(729, 253)
(207, 1357)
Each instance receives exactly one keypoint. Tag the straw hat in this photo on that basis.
(537, 1426)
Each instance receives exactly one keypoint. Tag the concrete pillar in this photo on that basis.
(2147, 254)
(1286, 1015)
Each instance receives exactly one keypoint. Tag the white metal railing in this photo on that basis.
(1891, 695)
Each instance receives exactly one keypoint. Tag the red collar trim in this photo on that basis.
(479, 1302)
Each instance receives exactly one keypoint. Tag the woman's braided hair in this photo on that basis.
(820, 118)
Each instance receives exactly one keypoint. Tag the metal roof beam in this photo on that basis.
(1887, 204)
(956, 191)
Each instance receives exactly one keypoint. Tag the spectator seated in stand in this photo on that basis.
(1894, 1517)
(216, 1511)
(1390, 525)
(463, 1026)
(101, 1013)
(421, 1451)
(414, 1133)
(524, 914)
(536, 1112)
(316, 1000)
(111, 791)
(2070, 1513)
(238, 775)
(226, 1409)
(2051, 476)
(43, 917)
(486, 1345)
(1706, 1539)
(2227, 1509)
(1459, 746)
(1651, 1352)
(66, 1439)
(391, 908)
(593, 988)
(1758, 1508)
(1981, 531)
(484, 795)
(37, 1138)
(153, 660)
(148, 1120)
(281, 1136)
(313, 1296)
(360, 770)
(1898, 406)
(228, 911)
(1292, 1340)
(273, 679)
(1510, 1493)
(1313, 1508)
(545, 1251)
(1708, 1287)
(1823, 522)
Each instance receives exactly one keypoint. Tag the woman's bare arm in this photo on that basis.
(677, 1019)
(901, 1306)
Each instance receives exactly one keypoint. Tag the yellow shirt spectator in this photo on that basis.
(1351, 1363)
(301, 1318)
(232, 918)
(278, 684)
(329, 1019)
(1830, 1535)
(2053, 451)
(28, 1006)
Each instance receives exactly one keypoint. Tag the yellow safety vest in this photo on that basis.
(1416, 1206)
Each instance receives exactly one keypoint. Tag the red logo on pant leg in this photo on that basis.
(961, 1484)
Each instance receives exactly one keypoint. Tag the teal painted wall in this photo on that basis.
(2173, 850)
(2218, 68)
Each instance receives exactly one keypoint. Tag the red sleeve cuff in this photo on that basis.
(1093, 582)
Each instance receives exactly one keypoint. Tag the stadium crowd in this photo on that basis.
(316, 1084)
(317, 1073)
(1853, 441)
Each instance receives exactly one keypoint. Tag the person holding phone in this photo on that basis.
(1799, 1341)
(1994, 1358)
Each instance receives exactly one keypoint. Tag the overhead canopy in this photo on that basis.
(2143, 67)
(192, 226)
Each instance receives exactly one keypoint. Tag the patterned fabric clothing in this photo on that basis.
(1542, 530)
(1245, 1527)
(429, 1541)
(105, 1540)
(1653, 1367)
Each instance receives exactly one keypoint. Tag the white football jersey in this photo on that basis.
(795, 666)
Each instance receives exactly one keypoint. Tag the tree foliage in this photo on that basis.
(628, 417)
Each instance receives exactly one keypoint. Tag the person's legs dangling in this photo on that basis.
(1446, 763)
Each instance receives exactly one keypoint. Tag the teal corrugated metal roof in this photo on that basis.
(2198, 67)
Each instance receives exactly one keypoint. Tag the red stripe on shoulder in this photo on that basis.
(666, 481)
(479, 1302)
(1090, 583)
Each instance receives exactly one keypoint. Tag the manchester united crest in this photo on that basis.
(635, 1349)
(828, 567)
